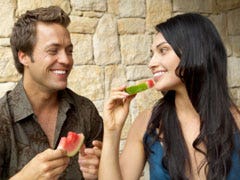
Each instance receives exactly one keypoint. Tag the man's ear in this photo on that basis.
(23, 58)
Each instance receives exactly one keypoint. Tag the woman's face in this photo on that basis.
(163, 65)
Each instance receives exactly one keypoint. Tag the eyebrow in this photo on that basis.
(58, 45)
(161, 44)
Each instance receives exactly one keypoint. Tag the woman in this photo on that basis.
(193, 131)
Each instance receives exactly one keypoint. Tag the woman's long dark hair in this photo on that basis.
(203, 69)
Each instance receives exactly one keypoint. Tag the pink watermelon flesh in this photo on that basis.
(150, 83)
(72, 143)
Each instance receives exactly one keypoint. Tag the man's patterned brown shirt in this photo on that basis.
(21, 137)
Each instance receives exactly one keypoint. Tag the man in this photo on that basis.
(41, 109)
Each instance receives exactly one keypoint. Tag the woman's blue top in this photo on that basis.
(158, 172)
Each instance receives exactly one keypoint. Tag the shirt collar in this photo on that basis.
(19, 103)
(21, 106)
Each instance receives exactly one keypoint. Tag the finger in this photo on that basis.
(55, 172)
(128, 101)
(89, 161)
(114, 101)
(117, 97)
(82, 150)
(51, 154)
(52, 168)
(97, 143)
(118, 92)
(61, 162)
(91, 170)
(95, 151)
(90, 176)
(120, 88)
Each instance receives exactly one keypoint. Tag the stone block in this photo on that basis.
(235, 42)
(4, 87)
(87, 80)
(234, 72)
(93, 14)
(235, 94)
(99, 105)
(89, 5)
(234, 22)
(7, 17)
(131, 26)
(223, 5)
(138, 72)
(8, 71)
(157, 12)
(5, 42)
(203, 6)
(133, 8)
(82, 49)
(135, 49)
(115, 76)
(105, 41)
(83, 25)
(113, 6)
(24, 5)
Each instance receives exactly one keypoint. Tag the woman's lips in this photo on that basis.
(158, 75)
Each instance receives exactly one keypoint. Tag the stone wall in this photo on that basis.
(112, 40)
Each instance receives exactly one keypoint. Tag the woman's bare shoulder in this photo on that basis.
(236, 115)
(144, 117)
(141, 121)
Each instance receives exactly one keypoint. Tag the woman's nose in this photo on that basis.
(153, 62)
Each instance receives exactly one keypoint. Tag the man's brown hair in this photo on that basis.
(23, 37)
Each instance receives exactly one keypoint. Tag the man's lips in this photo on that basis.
(59, 71)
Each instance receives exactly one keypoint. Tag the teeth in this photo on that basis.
(159, 73)
(59, 72)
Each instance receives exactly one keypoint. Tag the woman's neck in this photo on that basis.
(184, 108)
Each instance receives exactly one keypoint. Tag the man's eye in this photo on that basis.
(52, 51)
(70, 52)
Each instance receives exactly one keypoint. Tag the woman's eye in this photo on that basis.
(151, 54)
(163, 50)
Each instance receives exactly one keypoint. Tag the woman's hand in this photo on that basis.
(116, 109)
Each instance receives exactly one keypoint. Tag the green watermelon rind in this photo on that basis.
(136, 88)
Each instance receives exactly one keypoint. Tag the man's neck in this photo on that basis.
(40, 99)
(45, 107)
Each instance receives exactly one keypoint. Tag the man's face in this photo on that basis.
(51, 59)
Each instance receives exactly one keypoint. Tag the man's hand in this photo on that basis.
(47, 165)
(89, 159)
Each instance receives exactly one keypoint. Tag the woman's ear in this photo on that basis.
(23, 58)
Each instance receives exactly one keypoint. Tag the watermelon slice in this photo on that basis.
(140, 87)
(72, 143)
